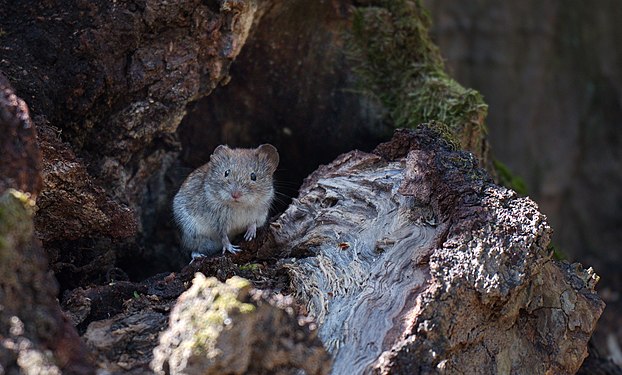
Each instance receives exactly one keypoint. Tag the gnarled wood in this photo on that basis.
(413, 261)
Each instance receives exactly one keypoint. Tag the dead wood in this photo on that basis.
(35, 336)
(413, 261)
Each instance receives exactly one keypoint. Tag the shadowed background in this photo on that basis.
(551, 73)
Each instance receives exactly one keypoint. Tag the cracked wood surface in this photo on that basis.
(413, 261)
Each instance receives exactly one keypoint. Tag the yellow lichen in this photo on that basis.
(219, 311)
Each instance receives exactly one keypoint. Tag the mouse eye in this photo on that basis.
(227, 172)
(253, 176)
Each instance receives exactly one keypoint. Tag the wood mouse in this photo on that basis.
(230, 194)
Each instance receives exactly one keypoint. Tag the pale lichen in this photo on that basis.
(16, 210)
(219, 304)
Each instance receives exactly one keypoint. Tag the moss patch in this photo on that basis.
(213, 307)
(508, 179)
(557, 253)
(16, 210)
(397, 63)
(252, 267)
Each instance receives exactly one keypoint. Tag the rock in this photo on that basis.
(228, 328)
(413, 261)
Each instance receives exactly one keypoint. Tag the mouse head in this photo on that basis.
(243, 174)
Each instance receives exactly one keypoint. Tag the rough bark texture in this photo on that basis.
(121, 321)
(227, 328)
(124, 343)
(416, 263)
(72, 207)
(72, 198)
(20, 166)
(109, 83)
(35, 337)
(115, 78)
(555, 117)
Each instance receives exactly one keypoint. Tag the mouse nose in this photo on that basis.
(236, 194)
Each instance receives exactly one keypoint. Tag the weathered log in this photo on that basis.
(413, 261)
(124, 342)
(110, 82)
(117, 84)
(563, 144)
(72, 198)
(73, 207)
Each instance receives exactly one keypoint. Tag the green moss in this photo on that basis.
(216, 308)
(16, 231)
(249, 267)
(508, 179)
(557, 253)
(445, 132)
(16, 210)
(397, 63)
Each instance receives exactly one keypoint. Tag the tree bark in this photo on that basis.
(108, 84)
(35, 336)
(413, 261)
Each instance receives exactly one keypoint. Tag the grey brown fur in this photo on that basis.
(220, 199)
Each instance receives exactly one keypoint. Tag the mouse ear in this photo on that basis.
(270, 154)
(220, 150)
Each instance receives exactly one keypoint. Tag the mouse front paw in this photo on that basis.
(251, 231)
(231, 248)
(197, 255)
